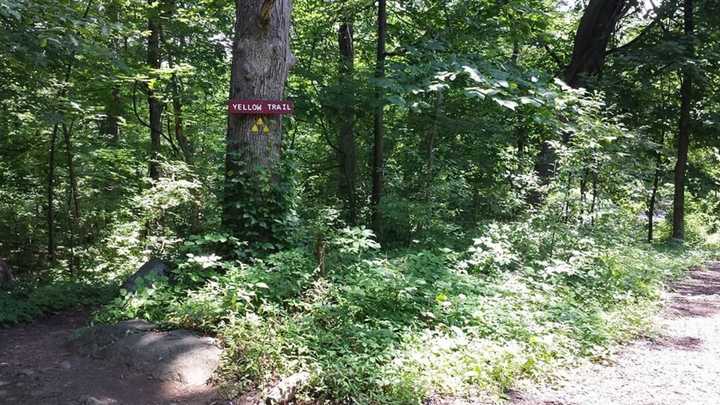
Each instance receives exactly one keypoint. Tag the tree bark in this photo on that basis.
(113, 109)
(347, 155)
(653, 195)
(154, 105)
(683, 141)
(597, 26)
(378, 166)
(51, 159)
(51, 195)
(261, 60)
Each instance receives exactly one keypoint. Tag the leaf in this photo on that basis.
(506, 103)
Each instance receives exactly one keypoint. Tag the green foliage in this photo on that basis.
(393, 329)
(27, 301)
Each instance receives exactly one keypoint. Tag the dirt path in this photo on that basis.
(37, 368)
(679, 367)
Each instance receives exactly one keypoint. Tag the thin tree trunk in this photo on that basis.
(653, 194)
(51, 160)
(430, 144)
(182, 140)
(51, 196)
(347, 154)
(594, 197)
(378, 165)
(154, 105)
(261, 60)
(683, 133)
(67, 134)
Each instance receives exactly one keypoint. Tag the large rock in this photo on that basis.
(152, 269)
(178, 355)
(6, 275)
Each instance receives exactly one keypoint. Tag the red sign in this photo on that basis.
(260, 107)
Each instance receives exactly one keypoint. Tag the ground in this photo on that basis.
(679, 364)
(38, 367)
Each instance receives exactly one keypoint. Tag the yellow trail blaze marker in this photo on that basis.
(260, 125)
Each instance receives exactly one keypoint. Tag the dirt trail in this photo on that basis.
(681, 366)
(37, 368)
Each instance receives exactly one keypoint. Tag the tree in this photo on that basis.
(261, 60)
(378, 160)
(154, 104)
(346, 145)
(683, 139)
(596, 27)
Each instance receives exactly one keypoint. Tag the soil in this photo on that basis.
(678, 365)
(37, 367)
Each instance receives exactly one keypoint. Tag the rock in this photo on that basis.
(26, 372)
(6, 274)
(66, 365)
(88, 400)
(152, 269)
(178, 355)
(284, 391)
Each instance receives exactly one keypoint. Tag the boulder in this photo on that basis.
(177, 356)
(152, 269)
(6, 275)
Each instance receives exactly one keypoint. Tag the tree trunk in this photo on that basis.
(378, 166)
(154, 105)
(347, 154)
(253, 199)
(182, 140)
(51, 159)
(683, 132)
(75, 223)
(597, 26)
(111, 124)
(51, 196)
(113, 109)
(653, 196)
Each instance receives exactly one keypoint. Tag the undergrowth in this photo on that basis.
(400, 326)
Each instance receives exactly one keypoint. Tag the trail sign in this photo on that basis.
(260, 107)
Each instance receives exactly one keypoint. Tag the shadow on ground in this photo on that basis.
(37, 366)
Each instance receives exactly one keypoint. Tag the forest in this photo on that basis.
(403, 201)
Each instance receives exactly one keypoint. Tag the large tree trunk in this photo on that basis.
(596, 27)
(378, 166)
(683, 132)
(113, 108)
(347, 151)
(260, 64)
(154, 105)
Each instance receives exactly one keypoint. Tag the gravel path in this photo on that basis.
(681, 366)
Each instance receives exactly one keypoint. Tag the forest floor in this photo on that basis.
(679, 363)
(37, 367)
